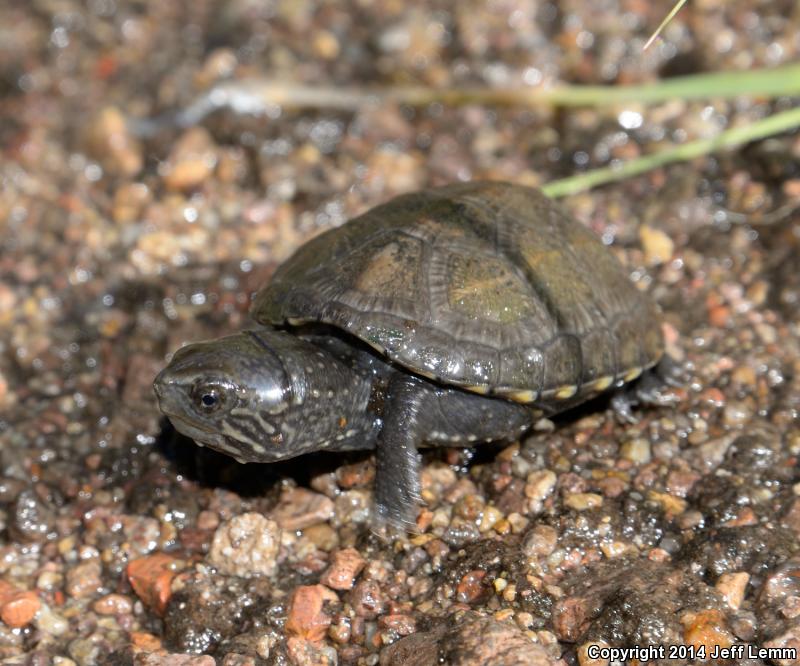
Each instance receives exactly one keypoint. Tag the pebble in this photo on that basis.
(50, 622)
(636, 450)
(345, 565)
(352, 506)
(18, 608)
(672, 506)
(236, 659)
(470, 588)
(151, 579)
(713, 396)
(60, 660)
(732, 587)
(299, 508)
(583, 501)
(680, 482)
(326, 45)
(612, 486)
(307, 616)
(84, 580)
(791, 516)
(191, 160)
(658, 246)
(789, 639)
(8, 303)
(419, 649)
(470, 506)
(743, 517)
(31, 519)
(583, 654)
(781, 584)
(303, 652)
(6, 396)
(88, 650)
(737, 413)
(110, 142)
(468, 639)
(367, 599)
(614, 549)
(10, 489)
(540, 541)
(113, 604)
(340, 630)
(540, 484)
(145, 641)
(323, 536)
(742, 375)
(571, 616)
(402, 624)
(517, 522)
(706, 628)
(356, 475)
(207, 520)
(437, 478)
(490, 517)
(130, 200)
(220, 63)
(246, 546)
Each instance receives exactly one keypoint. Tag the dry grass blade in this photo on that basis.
(663, 23)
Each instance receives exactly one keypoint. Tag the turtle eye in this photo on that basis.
(209, 397)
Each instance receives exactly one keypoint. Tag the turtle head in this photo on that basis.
(231, 394)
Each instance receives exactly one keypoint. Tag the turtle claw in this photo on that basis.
(671, 372)
(389, 525)
(396, 504)
(648, 390)
(622, 403)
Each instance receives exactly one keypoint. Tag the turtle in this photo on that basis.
(445, 317)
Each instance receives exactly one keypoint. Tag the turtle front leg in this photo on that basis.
(397, 487)
(416, 411)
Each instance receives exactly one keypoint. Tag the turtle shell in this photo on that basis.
(487, 286)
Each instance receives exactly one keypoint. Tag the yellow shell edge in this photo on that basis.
(566, 392)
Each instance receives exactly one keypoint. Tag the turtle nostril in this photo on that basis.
(160, 385)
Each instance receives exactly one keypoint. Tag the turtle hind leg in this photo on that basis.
(648, 390)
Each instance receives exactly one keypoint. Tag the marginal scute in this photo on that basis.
(522, 396)
(632, 374)
(598, 353)
(563, 362)
(601, 384)
(379, 348)
(486, 286)
(565, 392)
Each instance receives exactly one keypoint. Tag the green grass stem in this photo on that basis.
(731, 138)
(775, 82)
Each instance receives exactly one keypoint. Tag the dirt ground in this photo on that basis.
(122, 542)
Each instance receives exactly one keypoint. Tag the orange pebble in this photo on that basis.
(17, 607)
(151, 579)
(307, 617)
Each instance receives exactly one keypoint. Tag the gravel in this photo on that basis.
(123, 543)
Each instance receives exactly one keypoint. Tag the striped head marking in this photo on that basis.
(230, 394)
